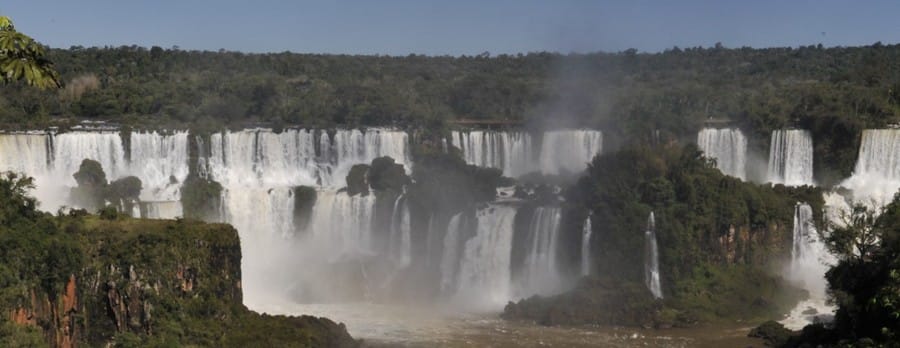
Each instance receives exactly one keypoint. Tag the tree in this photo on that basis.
(865, 284)
(22, 58)
(855, 236)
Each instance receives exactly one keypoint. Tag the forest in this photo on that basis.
(833, 92)
(627, 92)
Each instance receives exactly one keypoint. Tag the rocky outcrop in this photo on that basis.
(147, 281)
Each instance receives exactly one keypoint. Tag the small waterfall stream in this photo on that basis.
(651, 259)
(809, 262)
(586, 232)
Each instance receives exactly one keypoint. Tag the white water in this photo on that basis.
(513, 152)
(450, 256)
(651, 259)
(160, 161)
(876, 176)
(540, 272)
(484, 272)
(569, 150)
(809, 262)
(791, 157)
(728, 147)
(519, 153)
(258, 170)
(586, 247)
(400, 244)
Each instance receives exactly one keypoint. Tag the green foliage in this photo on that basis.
(22, 58)
(594, 301)
(703, 217)
(15, 336)
(385, 174)
(775, 334)
(124, 193)
(865, 284)
(444, 182)
(91, 187)
(717, 236)
(174, 283)
(201, 198)
(358, 180)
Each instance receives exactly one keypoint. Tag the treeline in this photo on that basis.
(628, 93)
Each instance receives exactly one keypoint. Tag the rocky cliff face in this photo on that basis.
(149, 281)
(718, 239)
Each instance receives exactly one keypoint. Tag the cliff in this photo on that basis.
(722, 243)
(152, 282)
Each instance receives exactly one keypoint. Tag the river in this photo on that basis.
(408, 326)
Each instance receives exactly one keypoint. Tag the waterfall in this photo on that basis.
(343, 223)
(400, 243)
(159, 160)
(518, 153)
(32, 154)
(263, 158)
(728, 147)
(511, 152)
(450, 257)
(808, 253)
(810, 261)
(540, 273)
(651, 259)
(569, 150)
(586, 247)
(876, 176)
(484, 272)
(791, 157)
(258, 170)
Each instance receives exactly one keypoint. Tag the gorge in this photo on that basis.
(308, 240)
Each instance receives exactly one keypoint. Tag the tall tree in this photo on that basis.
(22, 58)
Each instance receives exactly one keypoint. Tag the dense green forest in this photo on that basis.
(834, 92)
(721, 239)
(627, 92)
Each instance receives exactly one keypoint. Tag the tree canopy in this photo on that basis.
(23, 59)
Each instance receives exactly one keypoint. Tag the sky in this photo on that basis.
(453, 27)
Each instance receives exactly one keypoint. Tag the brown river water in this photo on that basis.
(405, 326)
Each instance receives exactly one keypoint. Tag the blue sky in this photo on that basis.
(453, 27)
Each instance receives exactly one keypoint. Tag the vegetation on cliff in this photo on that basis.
(718, 239)
(85, 279)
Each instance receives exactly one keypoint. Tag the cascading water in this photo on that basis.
(808, 253)
(876, 176)
(728, 147)
(791, 157)
(484, 271)
(518, 153)
(450, 257)
(586, 232)
(809, 262)
(259, 169)
(651, 259)
(512, 152)
(400, 243)
(540, 273)
(569, 150)
(159, 160)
